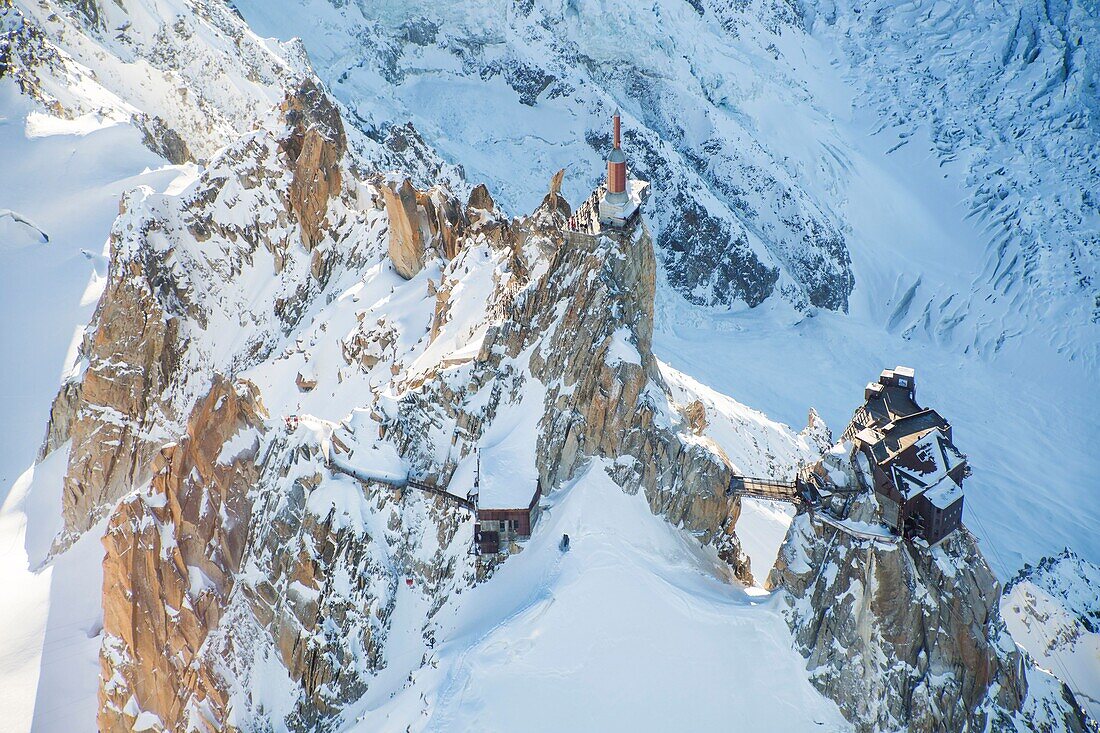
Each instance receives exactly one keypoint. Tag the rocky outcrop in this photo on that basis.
(696, 415)
(63, 412)
(239, 557)
(172, 283)
(170, 564)
(163, 140)
(315, 145)
(446, 220)
(407, 250)
(904, 636)
(587, 324)
(480, 198)
(1052, 610)
(423, 222)
(114, 415)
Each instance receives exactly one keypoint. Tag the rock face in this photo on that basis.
(235, 561)
(423, 222)
(904, 636)
(316, 144)
(148, 350)
(587, 324)
(1052, 610)
(235, 554)
(612, 401)
(171, 560)
(115, 415)
(406, 242)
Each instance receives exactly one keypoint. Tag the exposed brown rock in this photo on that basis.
(480, 198)
(422, 222)
(406, 248)
(316, 145)
(131, 358)
(554, 201)
(446, 220)
(304, 383)
(599, 407)
(696, 415)
(442, 306)
(170, 562)
(63, 412)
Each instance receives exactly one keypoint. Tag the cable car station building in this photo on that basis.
(916, 469)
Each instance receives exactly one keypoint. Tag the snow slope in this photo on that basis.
(66, 176)
(68, 154)
(1053, 611)
(954, 271)
(632, 629)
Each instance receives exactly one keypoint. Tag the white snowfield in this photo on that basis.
(634, 628)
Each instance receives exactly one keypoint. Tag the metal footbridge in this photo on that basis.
(803, 492)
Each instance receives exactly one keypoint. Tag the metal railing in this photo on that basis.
(340, 467)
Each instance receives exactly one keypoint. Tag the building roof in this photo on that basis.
(899, 435)
(925, 463)
(508, 478)
(892, 403)
(944, 494)
(869, 436)
(617, 156)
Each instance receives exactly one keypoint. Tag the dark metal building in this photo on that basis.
(915, 467)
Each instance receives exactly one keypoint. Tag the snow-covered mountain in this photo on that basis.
(1053, 611)
(890, 162)
(304, 296)
(739, 114)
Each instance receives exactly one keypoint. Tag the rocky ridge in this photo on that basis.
(146, 356)
(1052, 610)
(734, 224)
(761, 123)
(205, 75)
(189, 76)
(228, 530)
(902, 635)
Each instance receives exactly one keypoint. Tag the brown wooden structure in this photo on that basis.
(498, 528)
